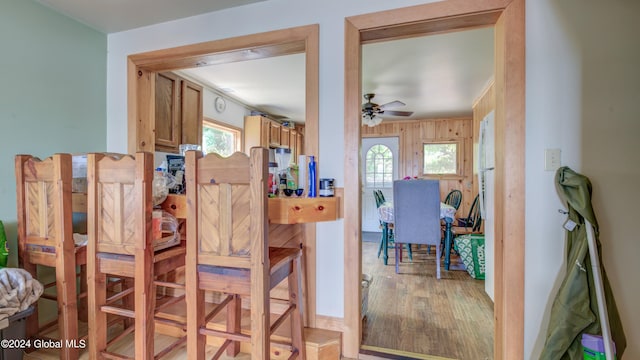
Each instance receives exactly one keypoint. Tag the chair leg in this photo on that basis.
(67, 309)
(295, 297)
(410, 252)
(260, 325)
(31, 321)
(82, 303)
(234, 314)
(145, 303)
(97, 297)
(438, 262)
(195, 315)
(398, 257)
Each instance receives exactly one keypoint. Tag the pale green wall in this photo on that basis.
(52, 92)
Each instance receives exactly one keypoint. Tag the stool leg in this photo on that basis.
(234, 309)
(295, 297)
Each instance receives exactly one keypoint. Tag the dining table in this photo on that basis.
(447, 214)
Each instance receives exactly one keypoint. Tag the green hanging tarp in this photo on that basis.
(575, 308)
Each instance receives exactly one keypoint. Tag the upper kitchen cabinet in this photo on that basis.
(191, 113)
(261, 131)
(178, 112)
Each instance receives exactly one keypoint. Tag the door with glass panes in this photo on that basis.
(380, 168)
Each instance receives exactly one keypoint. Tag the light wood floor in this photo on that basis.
(416, 313)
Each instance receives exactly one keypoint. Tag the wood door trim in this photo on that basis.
(141, 104)
(451, 15)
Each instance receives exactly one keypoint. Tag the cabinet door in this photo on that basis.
(284, 136)
(167, 109)
(265, 133)
(274, 134)
(300, 143)
(191, 113)
(292, 144)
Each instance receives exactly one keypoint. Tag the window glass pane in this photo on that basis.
(218, 139)
(379, 167)
(441, 158)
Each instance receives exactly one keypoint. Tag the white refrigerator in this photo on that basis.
(486, 183)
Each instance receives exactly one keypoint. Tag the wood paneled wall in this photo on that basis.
(414, 133)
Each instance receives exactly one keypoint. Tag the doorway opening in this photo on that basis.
(437, 142)
(508, 19)
(143, 67)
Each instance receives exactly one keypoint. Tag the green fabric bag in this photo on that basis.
(471, 250)
(4, 252)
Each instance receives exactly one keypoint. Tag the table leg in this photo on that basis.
(448, 237)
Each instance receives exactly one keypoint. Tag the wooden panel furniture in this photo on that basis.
(45, 237)
(303, 210)
(178, 112)
(228, 251)
(121, 243)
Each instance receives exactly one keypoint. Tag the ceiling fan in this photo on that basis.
(371, 112)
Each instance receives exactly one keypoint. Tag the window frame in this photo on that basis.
(459, 174)
(239, 132)
(383, 184)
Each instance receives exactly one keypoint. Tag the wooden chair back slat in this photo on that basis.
(117, 191)
(222, 201)
(44, 202)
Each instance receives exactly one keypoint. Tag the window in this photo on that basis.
(442, 158)
(379, 167)
(220, 138)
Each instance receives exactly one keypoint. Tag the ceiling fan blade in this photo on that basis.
(398, 113)
(391, 104)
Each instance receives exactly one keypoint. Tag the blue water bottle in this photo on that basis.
(312, 177)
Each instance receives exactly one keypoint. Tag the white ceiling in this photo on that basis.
(435, 76)
(109, 16)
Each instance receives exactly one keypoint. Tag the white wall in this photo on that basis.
(569, 106)
(583, 89)
(233, 114)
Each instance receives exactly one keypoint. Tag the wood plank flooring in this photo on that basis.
(416, 313)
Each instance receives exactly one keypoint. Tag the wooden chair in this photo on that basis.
(121, 244)
(454, 198)
(228, 252)
(45, 238)
(472, 224)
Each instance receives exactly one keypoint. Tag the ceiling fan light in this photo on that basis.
(371, 120)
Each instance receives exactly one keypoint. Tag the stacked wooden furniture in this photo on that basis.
(228, 251)
(45, 237)
(121, 243)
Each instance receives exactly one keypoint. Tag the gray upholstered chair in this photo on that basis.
(416, 206)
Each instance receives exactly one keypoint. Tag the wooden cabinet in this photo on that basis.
(274, 134)
(284, 137)
(168, 127)
(299, 141)
(191, 113)
(178, 112)
(260, 131)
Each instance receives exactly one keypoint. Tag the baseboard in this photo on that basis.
(397, 354)
(330, 323)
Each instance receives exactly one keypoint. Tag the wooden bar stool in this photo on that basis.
(45, 237)
(228, 252)
(121, 244)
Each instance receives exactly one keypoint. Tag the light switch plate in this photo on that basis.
(551, 159)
